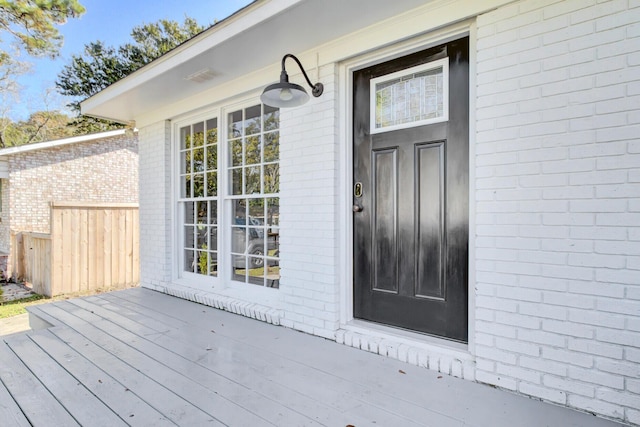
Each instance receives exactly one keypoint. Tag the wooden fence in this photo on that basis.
(91, 246)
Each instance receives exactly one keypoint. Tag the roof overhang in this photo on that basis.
(253, 38)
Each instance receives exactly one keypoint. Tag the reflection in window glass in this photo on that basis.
(254, 177)
(271, 147)
(271, 118)
(414, 96)
(251, 139)
(198, 156)
(253, 150)
(253, 122)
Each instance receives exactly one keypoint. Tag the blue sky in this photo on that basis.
(110, 21)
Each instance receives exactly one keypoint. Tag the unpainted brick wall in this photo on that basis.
(4, 217)
(103, 170)
(558, 203)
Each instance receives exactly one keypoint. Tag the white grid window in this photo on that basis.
(253, 141)
(229, 208)
(198, 153)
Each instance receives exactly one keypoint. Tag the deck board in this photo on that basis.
(141, 358)
(202, 388)
(122, 401)
(342, 396)
(196, 350)
(134, 370)
(74, 396)
(372, 394)
(10, 412)
(207, 352)
(466, 402)
(39, 405)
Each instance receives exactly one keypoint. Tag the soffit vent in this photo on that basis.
(201, 76)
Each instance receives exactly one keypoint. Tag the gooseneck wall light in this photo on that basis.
(285, 94)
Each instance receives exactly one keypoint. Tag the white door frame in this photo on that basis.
(345, 217)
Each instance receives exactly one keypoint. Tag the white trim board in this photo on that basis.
(348, 324)
(59, 142)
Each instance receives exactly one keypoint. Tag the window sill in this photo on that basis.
(268, 298)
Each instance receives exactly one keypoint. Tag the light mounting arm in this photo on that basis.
(285, 94)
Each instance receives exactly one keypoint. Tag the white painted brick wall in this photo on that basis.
(309, 158)
(558, 203)
(155, 205)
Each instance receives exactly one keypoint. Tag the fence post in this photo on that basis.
(19, 258)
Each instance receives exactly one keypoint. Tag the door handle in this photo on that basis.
(357, 208)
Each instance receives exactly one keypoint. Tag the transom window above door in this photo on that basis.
(413, 97)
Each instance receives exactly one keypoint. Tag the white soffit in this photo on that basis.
(253, 38)
(257, 37)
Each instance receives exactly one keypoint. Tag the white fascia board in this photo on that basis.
(250, 16)
(58, 142)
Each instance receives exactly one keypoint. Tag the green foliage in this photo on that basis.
(258, 147)
(154, 40)
(16, 307)
(88, 73)
(99, 65)
(33, 23)
(84, 125)
(29, 26)
(40, 126)
(201, 164)
(203, 260)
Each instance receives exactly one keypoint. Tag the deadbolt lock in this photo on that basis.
(357, 190)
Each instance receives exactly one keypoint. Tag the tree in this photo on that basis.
(40, 126)
(100, 66)
(88, 74)
(43, 125)
(32, 25)
(156, 39)
(10, 68)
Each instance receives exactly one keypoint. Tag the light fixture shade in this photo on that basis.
(284, 95)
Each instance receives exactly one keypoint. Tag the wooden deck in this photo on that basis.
(141, 358)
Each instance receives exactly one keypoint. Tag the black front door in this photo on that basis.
(411, 193)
